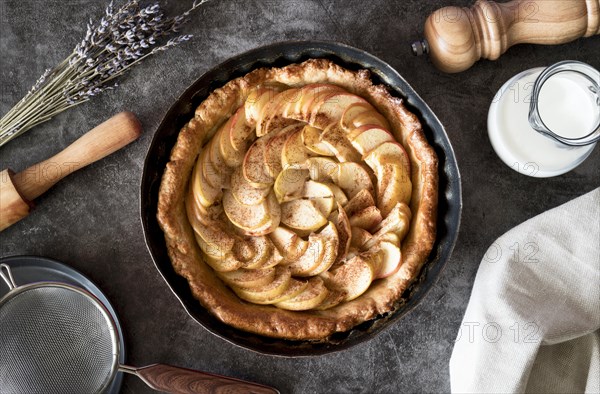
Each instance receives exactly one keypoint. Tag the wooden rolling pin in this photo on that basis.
(456, 38)
(17, 191)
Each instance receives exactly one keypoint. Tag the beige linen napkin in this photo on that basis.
(533, 320)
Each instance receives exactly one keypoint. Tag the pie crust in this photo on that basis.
(384, 295)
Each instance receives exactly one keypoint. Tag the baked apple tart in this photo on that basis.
(300, 201)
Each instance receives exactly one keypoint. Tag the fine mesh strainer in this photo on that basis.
(57, 338)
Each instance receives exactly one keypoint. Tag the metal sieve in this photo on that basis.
(59, 338)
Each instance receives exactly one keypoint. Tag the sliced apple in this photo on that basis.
(309, 95)
(261, 248)
(391, 166)
(274, 148)
(356, 114)
(388, 152)
(361, 114)
(204, 214)
(393, 186)
(331, 239)
(248, 279)
(337, 142)
(313, 189)
(325, 205)
(353, 178)
(321, 194)
(212, 239)
(212, 176)
(209, 249)
(352, 253)
(371, 138)
(290, 183)
(269, 293)
(311, 137)
(256, 101)
(244, 250)
(321, 169)
(397, 222)
(314, 294)
(371, 118)
(302, 215)
(334, 298)
(283, 238)
(253, 167)
(289, 244)
(338, 194)
(294, 153)
(271, 116)
(274, 260)
(229, 154)
(368, 218)
(241, 134)
(390, 237)
(234, 154)
(342, 224)
(329, 257)
(206, 194)
(391, 259)
(198, 213)
(359, 130)
(218, 161)
(247, 217)
(274, 218)
(351, 112)
(293, 287)
(374, 258)
(311, 259)
(360, 236)
(331, 108)
(244, 192)
(293, 108)
(304, 233)
(362, 200)
(227, 264)
(353, 277)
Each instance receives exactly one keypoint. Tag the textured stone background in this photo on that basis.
(91, 220)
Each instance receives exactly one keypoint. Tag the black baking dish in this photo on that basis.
(277, 55)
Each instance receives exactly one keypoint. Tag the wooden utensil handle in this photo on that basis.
(186, 381)
(458, 37)
(96, 144)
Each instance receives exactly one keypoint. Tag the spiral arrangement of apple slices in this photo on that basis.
(299, 200)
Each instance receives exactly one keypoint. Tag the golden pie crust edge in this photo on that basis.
(384, 295)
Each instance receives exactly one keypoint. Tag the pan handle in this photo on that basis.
(6, 274)
(177, 380)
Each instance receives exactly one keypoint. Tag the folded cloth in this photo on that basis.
(533, 321)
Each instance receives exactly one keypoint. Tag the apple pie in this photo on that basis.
(300, 201)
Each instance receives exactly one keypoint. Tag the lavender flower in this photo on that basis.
(120, 40)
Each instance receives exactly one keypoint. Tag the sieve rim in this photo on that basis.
(114, 334)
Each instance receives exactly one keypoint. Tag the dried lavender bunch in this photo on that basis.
(121, 39)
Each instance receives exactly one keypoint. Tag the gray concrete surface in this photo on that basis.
(91, 220)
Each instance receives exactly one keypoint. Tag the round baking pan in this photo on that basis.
(278, 55)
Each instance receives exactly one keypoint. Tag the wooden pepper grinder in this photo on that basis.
(456, 38)
(17, 191)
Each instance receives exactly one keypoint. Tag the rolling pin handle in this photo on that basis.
(18, 190)
(13, 205)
